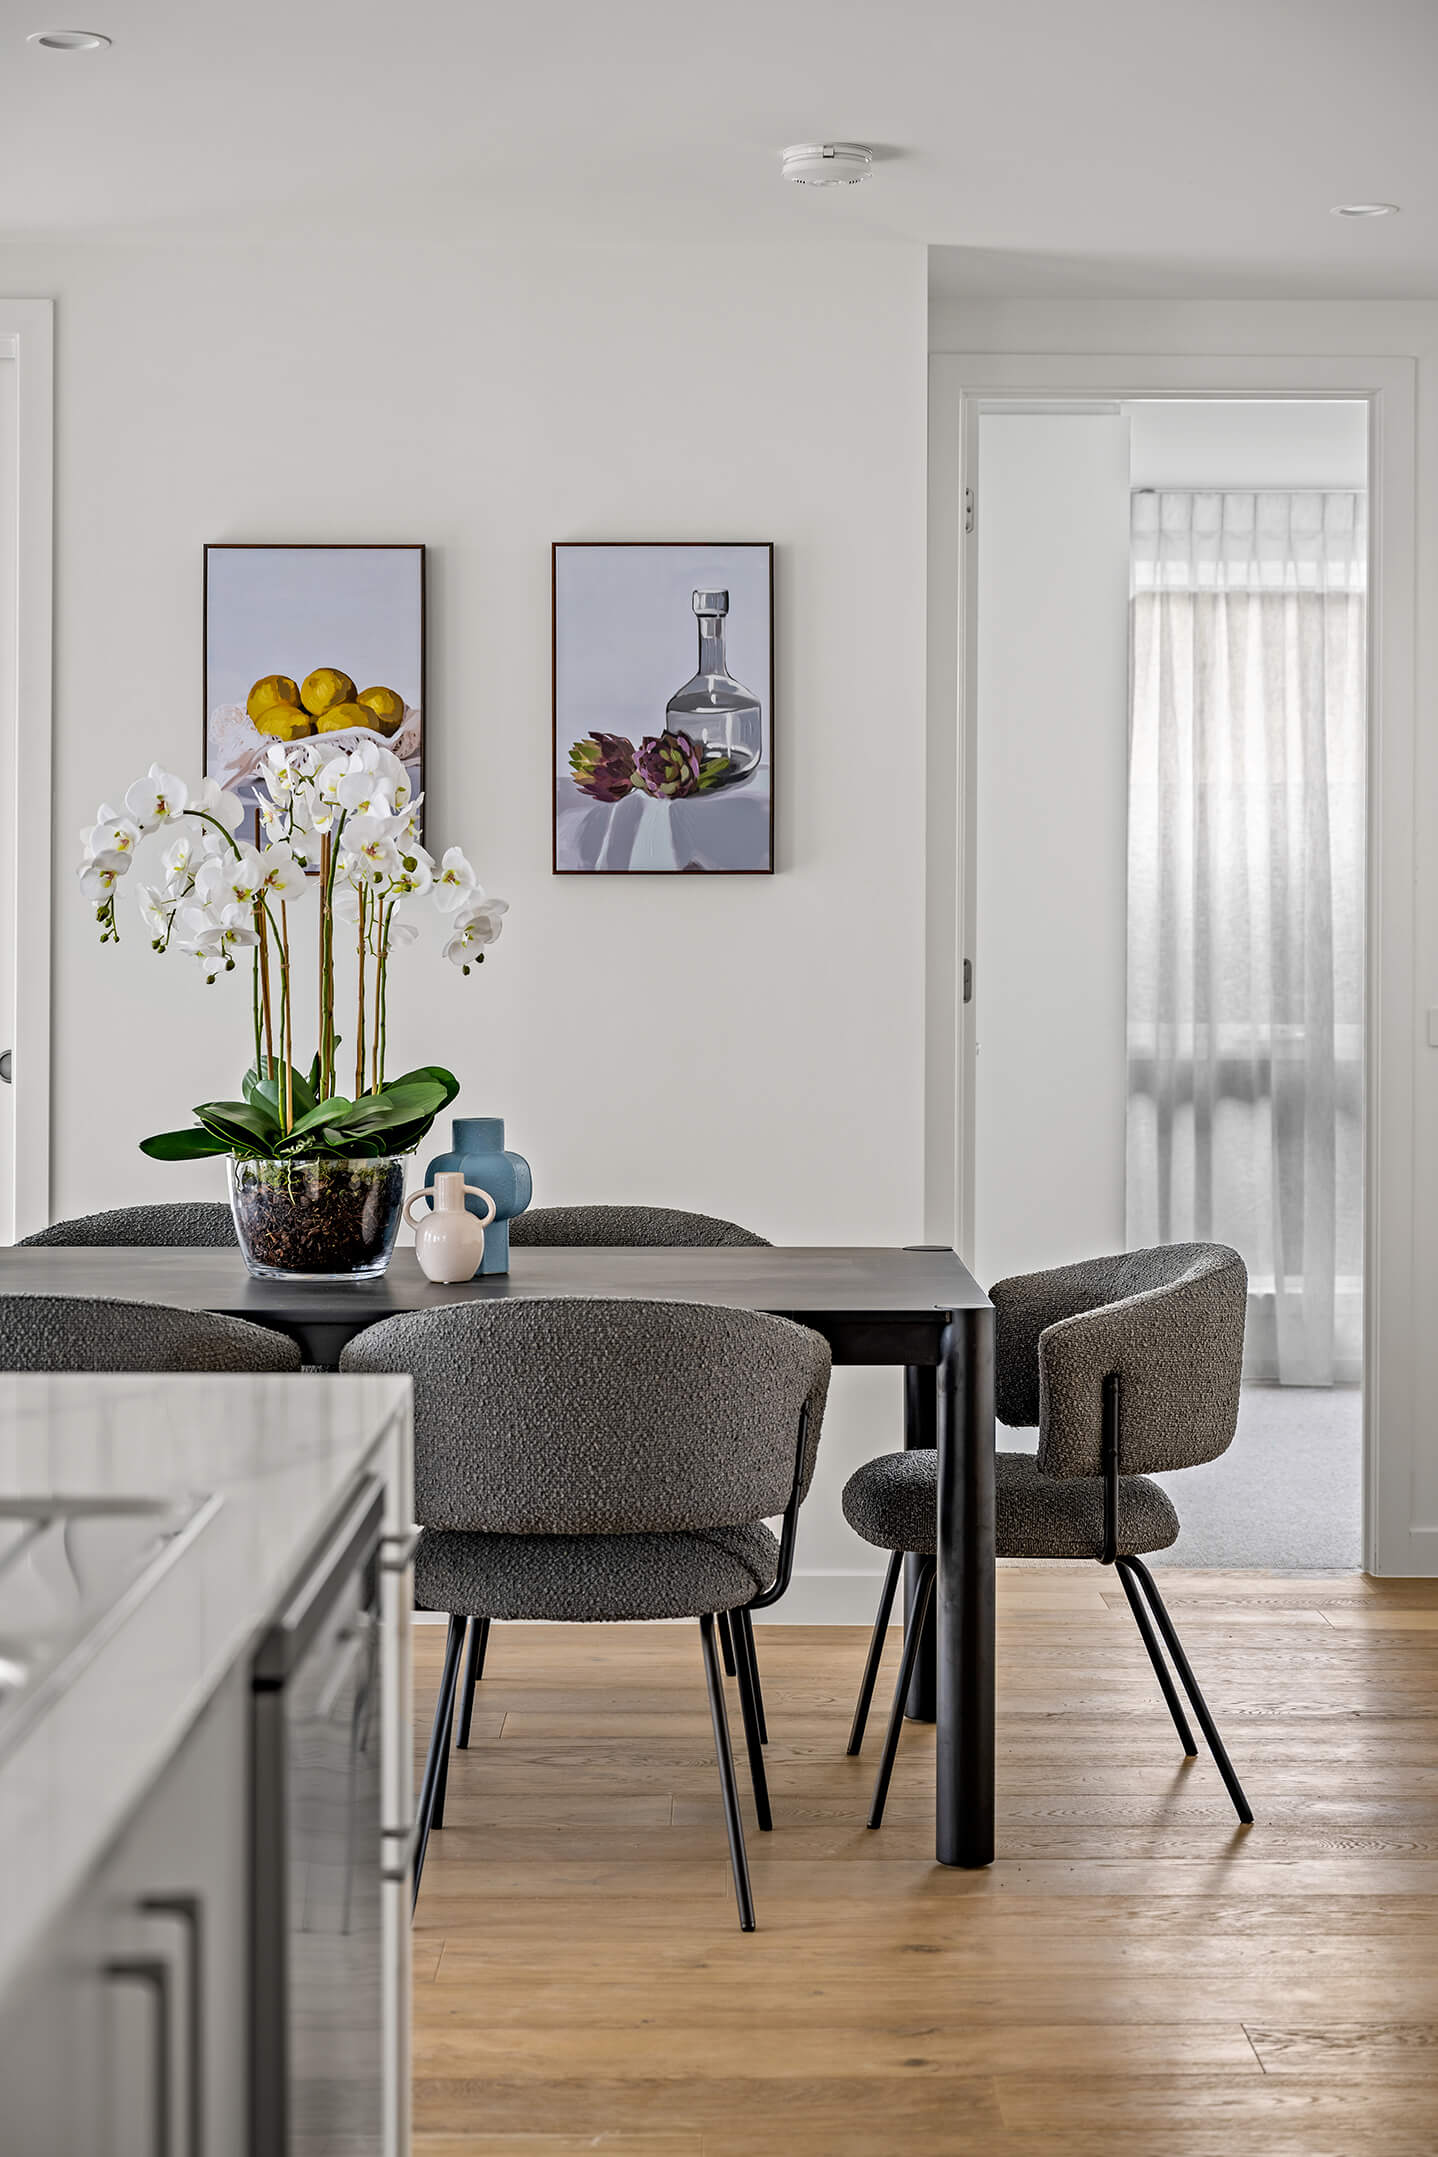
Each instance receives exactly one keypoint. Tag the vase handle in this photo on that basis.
(413, 1200)
(472, 1190)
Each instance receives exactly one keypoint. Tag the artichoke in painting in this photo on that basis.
(670, 766)
(603, 766)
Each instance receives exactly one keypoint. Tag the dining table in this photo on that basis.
(918, 1307)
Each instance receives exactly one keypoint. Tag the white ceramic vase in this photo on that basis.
(449, 1240)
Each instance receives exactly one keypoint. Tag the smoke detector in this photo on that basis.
(828, 164)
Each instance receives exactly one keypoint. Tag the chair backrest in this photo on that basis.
(187, 1222)
(580, 1226)
(590, 1416)
(100, 1333)
(1167, 1322)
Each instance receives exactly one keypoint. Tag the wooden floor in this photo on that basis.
(1134, 1975)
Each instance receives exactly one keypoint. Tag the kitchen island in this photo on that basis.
(204, 1762)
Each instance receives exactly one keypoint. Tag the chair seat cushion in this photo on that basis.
(592, 1577)
(892, 1501)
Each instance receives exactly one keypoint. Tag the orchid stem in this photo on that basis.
(289, 1039)
(359, 1012)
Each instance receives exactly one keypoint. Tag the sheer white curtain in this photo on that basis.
(1245, 967)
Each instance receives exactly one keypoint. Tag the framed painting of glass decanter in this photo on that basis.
(663, 707)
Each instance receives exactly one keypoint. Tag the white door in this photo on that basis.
(1052, 755)
(10, 907)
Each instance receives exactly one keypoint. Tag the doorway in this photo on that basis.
(1167, 930)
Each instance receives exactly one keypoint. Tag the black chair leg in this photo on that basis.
(1155, 1655)
(923, 1597)
(745, 1625)
(726, 1645)
(473, 1672)
(438, 1755)
(876, 1652)
(738, 1856)
(1190, 1685)
(754, 1744)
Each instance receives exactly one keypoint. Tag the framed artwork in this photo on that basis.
(322, 641)
(663, 708)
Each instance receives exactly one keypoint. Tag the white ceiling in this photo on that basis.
(1041, 146)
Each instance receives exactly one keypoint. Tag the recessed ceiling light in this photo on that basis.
(1364, 209)
(828, 164)
(69, 40)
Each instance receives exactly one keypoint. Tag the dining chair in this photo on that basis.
(1130, 1367)
(603, 1460)
(183, 1222)
(102, 1333)
(637, 1228)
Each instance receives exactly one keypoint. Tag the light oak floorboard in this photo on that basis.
(1135, 1976)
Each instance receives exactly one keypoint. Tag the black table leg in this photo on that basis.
(921, 1429)
(965, 1597)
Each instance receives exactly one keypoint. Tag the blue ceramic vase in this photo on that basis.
(479, 1156)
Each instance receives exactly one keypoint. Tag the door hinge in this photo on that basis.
(968, 981)
(968, 509)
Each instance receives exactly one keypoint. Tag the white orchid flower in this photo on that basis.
(476, 927)
(281, 876)
(101, 873)
(279, 774)
(346, 903)
(274, 820)
(400, 932)
(230, 879)
(111, 833)
(414, 876)
(156, 799)
(373, 865)
(454, 883)
(157, 909)
(329, 778)
(366, 793)
(184, 854)
(226, 809)
(367, 839)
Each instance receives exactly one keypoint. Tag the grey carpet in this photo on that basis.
(1288, 1493)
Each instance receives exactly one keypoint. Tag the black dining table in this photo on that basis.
(918, 1307)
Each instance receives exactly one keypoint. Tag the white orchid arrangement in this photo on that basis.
(344, 826)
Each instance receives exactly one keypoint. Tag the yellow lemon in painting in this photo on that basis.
(347, 714)
(325, 688)
(270, 689)
(285, 721)
(387, 706)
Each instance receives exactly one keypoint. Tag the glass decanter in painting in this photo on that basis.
(720, 716)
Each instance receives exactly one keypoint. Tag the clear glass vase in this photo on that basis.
(317, 1218)
(720, 716)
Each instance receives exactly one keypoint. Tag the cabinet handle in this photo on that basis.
(397, 1551)
(187, 1910)
(153, 1972)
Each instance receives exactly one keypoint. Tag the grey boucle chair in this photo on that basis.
(580, 1227)
(1130, 1367)
(183, 1223)
(605, 1460)
(634, 1228)
(101, 1333)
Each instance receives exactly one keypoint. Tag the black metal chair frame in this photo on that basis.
(1138, 1585)
(739, 1656)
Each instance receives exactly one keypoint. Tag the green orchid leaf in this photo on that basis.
(315, 1124)
(183, 1145)
(245, 1128)
(433, 1072)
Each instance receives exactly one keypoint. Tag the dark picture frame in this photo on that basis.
(224, 736)
(588, 659)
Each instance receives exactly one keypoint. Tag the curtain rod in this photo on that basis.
(1246, 487)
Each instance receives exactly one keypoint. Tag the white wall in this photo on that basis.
(1050, 930)
(1249, 442)
(747, 1046)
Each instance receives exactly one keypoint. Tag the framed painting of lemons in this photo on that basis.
(312, 641)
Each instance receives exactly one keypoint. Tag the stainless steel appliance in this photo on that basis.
(317, 1970)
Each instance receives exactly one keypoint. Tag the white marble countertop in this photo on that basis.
(278, 1452)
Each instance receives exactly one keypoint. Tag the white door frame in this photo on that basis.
(959, 387)
(27, 341)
